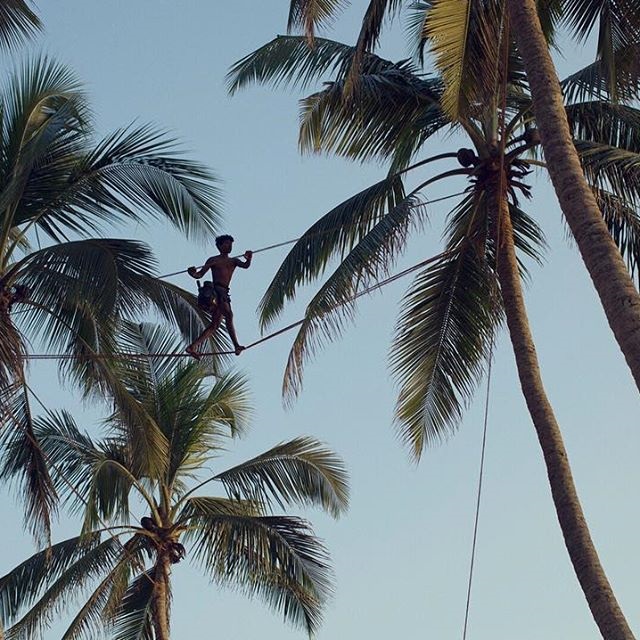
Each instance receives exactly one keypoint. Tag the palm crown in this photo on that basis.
(392, 112)
(154, 456)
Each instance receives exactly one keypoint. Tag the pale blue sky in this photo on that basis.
(401, 554)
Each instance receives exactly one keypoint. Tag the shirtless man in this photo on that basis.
(216, 294)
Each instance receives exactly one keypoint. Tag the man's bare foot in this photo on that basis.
(193, 353)
(239, 349)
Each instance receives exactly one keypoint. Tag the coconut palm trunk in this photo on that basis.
(584, 557)
(161, 596)
(618, 295)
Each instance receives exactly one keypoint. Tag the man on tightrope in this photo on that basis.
(214, 296)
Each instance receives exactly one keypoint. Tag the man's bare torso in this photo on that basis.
(222, 268)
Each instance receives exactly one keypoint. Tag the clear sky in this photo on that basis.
(401, 554)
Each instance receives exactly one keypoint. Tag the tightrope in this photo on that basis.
(121, 355)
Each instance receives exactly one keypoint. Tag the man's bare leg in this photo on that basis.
(192, 349)
(231, 330)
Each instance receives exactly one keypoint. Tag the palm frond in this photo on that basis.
(612, 169)
(18, 22)
(20, 587)
(309, 15)
(276, 558)
(288, 60)
(443, 336)
(335, 234)
(623, 223)
(25, 465)
(208, 506)
(301, 471)
(595, 81)
(600, 121)
(133, 620)
(618, 28)
(60, 589)
(389, 113)
(101, 607)
(465, 39)
(334, 306)
(137, 173)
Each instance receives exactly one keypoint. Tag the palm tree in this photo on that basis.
(153, 458)
(58, 282)
(533, 24)
(451, 312)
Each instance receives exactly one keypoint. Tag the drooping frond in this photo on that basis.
(136, 173)
(133, 620)
(333, 306)
(390, 113)
(465, 38)
(623, 223)
(20, 587)
(309, 15)
(333, 235)
(25, 464)
(598, 121)
(276, 558)
(288, 60)
(618, 25)
(301, 471)
(594, 80)
(18, 22)
(443, 335)
(612, 169)
(61, 588)
(100, 610)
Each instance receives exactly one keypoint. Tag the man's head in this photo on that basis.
(224, 243)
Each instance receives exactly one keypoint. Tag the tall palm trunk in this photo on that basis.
(604, 263)
(160, 598)
(582, 552)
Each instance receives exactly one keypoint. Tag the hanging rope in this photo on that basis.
(178, 354)
(478, 497)
(312, 235)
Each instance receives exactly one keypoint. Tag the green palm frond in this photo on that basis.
(333, 306)
(25, 465)
(335, 234)
(465, 39)
(18, 22)
(615, 125)
(309, 15)
(623, 223)
(70, 455)
(388, 112)
(301, 471)
(288, 60)
(133, 620)
(443, 335)
(618, 28)
(60, 589)
(101, 606)
(595, 82)
(201, 506)
(276, 558)
(612, 169)
(137, 173)
(20, 587)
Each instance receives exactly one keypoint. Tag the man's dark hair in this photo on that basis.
(221, 239)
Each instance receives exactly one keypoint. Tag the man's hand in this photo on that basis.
(248, 255)
(193, 272)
